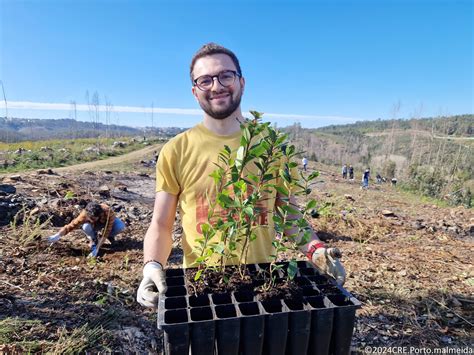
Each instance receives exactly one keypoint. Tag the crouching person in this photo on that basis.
(94, 218)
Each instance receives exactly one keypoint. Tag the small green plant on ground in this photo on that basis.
(262, 166)
(81, 339)
(69, 195)
(11, 330)
(27, 227)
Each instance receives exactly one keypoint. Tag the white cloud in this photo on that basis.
(27, 105)
(311, 117)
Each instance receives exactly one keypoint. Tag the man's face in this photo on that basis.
(220, 101)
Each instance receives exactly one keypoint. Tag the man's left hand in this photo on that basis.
(327, 260)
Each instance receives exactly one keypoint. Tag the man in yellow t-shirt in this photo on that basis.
(183, 169)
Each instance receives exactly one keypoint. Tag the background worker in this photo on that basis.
(344, 171)
(305, 163)
(351, 172)
(182, 176)
(365, 178)
(94, 218)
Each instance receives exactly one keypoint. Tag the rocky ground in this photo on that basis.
(408, 261)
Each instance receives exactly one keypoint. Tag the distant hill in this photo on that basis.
(433, 155)
(23, 129)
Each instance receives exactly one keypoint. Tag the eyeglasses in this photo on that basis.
(225, 78)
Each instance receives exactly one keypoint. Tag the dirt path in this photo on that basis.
(126, 158)
(132, 157)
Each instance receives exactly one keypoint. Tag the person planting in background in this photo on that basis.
(94, 218)
(182, 176)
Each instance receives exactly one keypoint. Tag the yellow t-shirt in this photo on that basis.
(183, 169)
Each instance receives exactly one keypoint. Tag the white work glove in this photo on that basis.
(54, 238)
(327, 260)
(153, 276)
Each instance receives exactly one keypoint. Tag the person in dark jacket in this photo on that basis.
(365, 178)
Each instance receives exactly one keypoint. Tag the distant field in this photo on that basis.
(17, 157)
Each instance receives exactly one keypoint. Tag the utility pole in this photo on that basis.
(6, 108)
(73, 116)
(152, 107)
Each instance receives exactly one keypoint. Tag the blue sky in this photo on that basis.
(313, 62)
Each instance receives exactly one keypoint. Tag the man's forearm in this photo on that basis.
(292, 232)
(157, 244)
(313, 240)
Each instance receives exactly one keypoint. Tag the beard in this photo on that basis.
(220, 113)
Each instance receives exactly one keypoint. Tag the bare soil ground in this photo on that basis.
(409, 262)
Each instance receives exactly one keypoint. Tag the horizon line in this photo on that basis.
(42, 106)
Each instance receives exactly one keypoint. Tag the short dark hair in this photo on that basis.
(93, 209)
(210, 49)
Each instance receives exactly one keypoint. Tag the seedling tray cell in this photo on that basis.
(321, 322)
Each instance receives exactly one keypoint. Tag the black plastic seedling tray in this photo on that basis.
(237, 323)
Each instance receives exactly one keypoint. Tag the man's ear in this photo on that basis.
(193, 90)
(242, 84)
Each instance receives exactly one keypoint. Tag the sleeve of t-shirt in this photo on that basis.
(166, 174)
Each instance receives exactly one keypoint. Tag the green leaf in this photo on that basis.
(247, 135)
(257, 115)
(291, 210)
(240, 157)
(224, 198)
(282, 190)
(311, 204)
(277, 218)
(266, 145)
(292, 269)
(252, 177)
(253, 236)
(285, 174)
(241, 185)
(216, 175)
(248, 211)
(305, 238)
(313, 175)
(200, 259)
(198, 275)
(205, 228)
(219, 248)
(290, 150)
(257, 151)
(69, 195)
(268, 177)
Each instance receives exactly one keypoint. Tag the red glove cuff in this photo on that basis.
(313, 248)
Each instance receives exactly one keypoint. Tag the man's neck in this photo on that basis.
(226, 126)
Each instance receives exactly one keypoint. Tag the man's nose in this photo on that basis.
(215, 81)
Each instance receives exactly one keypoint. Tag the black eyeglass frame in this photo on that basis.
(237, 75)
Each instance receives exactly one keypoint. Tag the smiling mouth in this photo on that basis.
(220, 96)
